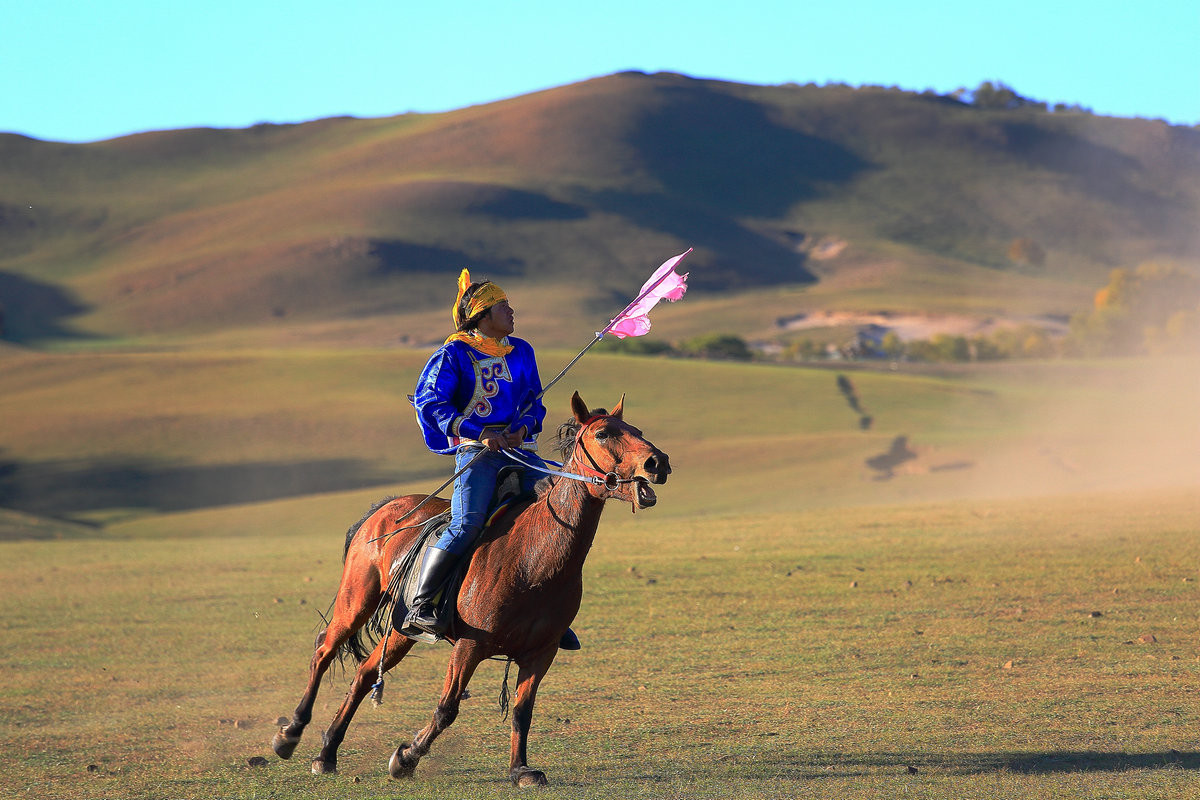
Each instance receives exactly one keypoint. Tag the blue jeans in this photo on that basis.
(473, 493)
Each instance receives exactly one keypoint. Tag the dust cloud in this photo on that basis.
(1057, 429)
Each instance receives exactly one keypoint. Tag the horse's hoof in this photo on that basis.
(525, 776)
(284, 745)
(399, 766)
(320, 767)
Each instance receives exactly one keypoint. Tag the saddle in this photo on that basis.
(405, 570)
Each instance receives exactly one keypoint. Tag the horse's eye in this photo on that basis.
(601, 434)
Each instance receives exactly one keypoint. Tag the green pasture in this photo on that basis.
(1009, 612)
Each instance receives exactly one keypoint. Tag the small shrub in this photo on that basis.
(717, 345)
(635, 346)
(1026, 251)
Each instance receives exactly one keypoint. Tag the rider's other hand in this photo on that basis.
(515, 438)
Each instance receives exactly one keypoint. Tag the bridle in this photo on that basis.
(593, 474)
(609, 480)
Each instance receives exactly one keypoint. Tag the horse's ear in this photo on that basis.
(620, 408)
(579, 408)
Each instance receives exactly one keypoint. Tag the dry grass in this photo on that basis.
(1006, 614)
(1000, 649)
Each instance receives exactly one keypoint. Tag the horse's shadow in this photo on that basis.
(1089, 761)
(1032, 763)
(791, 765)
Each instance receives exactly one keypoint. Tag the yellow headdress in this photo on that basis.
(484, 298)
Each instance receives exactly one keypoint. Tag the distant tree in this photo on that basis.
(921, 350)
(636, 346)
(1026, 251)
(985, 348)
(944, 347)
(892, 345)
(1102, 331)
(950, 347)
(1180, 334)
(1026, 341)
(997, 95)
(1153, 308)
(1036, 343)
(717, 345)
(1116, 293)
(803, 350)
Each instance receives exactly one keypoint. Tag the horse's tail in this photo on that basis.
(360, 643)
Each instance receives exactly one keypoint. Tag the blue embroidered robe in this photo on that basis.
(461, 391)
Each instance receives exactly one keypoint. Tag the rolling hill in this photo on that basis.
(862, 198)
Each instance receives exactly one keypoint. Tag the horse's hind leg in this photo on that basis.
(391, 649)
(463, 662)
(351, 612)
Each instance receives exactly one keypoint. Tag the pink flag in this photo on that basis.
(665, 283)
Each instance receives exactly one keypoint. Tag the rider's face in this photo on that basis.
(499, 321)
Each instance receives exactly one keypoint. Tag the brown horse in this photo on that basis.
(520, 593)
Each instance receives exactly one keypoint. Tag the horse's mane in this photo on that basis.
(564, 445)
(564, 441)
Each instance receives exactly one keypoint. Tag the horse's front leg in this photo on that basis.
(528, 678)
(463, 662)
(390, 650)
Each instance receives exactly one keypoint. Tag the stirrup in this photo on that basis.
(421, 627)
(421, 635)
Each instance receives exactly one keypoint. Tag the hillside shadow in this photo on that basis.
(31, 310)
(517, 204)
(728, 154)
(63, 488)
(739, 257)
(1099, 170)
(395, 256)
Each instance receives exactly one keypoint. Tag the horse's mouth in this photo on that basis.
(643, 493)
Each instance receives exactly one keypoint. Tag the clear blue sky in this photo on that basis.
(82, 70)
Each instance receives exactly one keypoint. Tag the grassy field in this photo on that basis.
(1007, 612)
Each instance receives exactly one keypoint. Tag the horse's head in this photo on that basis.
(607, 447)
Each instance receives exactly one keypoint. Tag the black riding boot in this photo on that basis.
(435, 566)
(569, 641)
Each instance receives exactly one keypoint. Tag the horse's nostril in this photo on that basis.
(658, 464)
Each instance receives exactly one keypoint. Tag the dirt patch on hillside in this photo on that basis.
(911, 326)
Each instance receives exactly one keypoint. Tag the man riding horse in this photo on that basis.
(467, 402)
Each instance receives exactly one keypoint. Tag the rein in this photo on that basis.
(609, 480)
